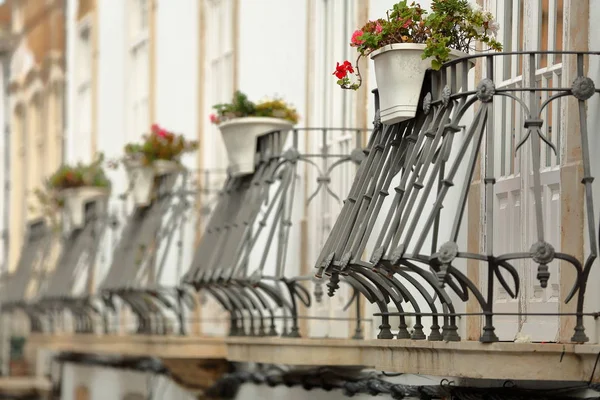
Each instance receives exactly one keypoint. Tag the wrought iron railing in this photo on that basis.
(250, 230)
(151, 243)
(402, 237)
(243, 257)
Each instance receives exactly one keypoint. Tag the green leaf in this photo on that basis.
(436, 64)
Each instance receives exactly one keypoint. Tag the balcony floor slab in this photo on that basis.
(178, 347)
(515, 361)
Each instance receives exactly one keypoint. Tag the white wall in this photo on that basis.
(377, 10)
(70, 91)
(295, 393)
(115, 383)
(111, 104)
(110, 383)
(276, 70)
(280, 67)
(177, 101)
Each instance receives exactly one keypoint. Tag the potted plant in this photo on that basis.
(70, 188)
(409, 41)
(242, 121)
(158, 155)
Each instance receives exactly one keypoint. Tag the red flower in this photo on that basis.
(407, 23)
(356, 38)
(162, 133)
(348, 65)
(155, 128)
(214, 119)
(342, 70)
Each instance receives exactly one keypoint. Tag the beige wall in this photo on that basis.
(36, 112)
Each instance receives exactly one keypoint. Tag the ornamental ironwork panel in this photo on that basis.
(135, 252)
(137, 263)
(59, 289)
(77, 257)
(250, 229)
(35, 248)
(400, 237)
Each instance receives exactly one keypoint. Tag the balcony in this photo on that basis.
(479, 231)
(468, 233)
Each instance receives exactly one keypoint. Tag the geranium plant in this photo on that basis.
(241, 107)
(451, 24)
(160, 144)
(50, 198)
(74, 176)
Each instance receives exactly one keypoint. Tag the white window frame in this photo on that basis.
(514, 202)
(220, 49)
(219, 67)
(138, 49)
(83, 89)
(334, 23)
(22, 118)
(35, 144)
(18, 18)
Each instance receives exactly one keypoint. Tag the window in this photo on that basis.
(42, 140)
(138, 68)
(34, 146)
(139, 17)
(17, 16)
(21, 173)
(54, 112)
(527, 25)
(83, 116)
(334, 22)
(336, 25)
(219, 65)
(219, 89)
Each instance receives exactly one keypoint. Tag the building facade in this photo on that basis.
(36, 99)
(89, 76)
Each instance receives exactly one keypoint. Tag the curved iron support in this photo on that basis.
(422, 159)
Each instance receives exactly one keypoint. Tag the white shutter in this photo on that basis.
(531, 25)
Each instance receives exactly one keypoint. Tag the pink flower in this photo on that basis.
(155, 128)
(162, 133)
(356, 38)
(214, 119)
(378, 27)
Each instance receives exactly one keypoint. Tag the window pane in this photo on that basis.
(545, 7)
(84, 125)
(559, 29)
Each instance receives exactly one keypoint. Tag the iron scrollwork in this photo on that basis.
(407, 199)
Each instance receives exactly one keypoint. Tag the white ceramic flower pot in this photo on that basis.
(75, 200)
(240, 138)
(141, 177)
(399, 72)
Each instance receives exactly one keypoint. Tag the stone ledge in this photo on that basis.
(17, 386)
(516, 361)
(134, 345)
